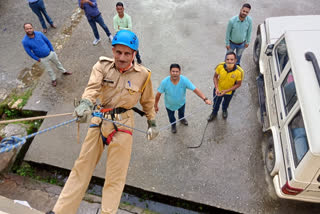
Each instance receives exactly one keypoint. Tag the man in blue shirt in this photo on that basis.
(38, 47)
(238, 35)
(93, 15)
(174, 88)
(37, 6)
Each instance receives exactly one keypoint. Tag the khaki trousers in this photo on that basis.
(118, 158)
(45, 62)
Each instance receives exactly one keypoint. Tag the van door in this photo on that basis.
(285, 93)
(286, 102)
(315, 184)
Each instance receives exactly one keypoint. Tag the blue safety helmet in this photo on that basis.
(127, 38)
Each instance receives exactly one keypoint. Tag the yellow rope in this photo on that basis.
(34, 118)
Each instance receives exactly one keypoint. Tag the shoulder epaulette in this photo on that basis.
(104, 58)
(146, 82)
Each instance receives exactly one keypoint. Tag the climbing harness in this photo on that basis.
(103, 113)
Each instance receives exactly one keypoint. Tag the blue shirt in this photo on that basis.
(239, 31)
(90, 11)
(37, 47)
(175, 95)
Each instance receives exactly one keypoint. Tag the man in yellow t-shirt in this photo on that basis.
(227, 78)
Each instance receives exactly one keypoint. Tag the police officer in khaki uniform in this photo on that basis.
(119, 83)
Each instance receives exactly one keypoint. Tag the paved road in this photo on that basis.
(15, 63)
(228, 170)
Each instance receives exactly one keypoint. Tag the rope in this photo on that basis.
(195, 147)
(188, 115)
(34, 118)
(9, 143)
(112, 121)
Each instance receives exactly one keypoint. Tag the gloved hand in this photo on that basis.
(83, 111)
(152, 130)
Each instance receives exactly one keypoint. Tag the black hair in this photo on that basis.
(247, 5)
(27, 23)
(231, 53)
(174, 65)
(120, 4)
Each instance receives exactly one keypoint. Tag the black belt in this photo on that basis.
(33, 2)
(121, 110)
(237, 43)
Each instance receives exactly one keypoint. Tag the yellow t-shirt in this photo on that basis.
(226, 79)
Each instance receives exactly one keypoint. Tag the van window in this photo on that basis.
(289, 92)
(299, 140)
(282, 55)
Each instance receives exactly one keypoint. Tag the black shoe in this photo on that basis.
(67, 73)
(50, 212)
(174, 129)
(54, 83)
(211, 117)
(184, 122)
(225, 114)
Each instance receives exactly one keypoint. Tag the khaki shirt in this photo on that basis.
(115, 89)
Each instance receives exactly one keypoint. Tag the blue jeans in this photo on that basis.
(100, 21)
(217, 101)
(38, 8)
(172, 119)
(239, 50)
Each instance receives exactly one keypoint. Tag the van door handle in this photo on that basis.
(281, 115)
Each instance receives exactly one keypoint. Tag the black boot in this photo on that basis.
(211, 117)
(184, 122)
(225, 114)
(173, 128)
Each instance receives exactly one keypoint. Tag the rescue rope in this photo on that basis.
(121, 124)
(34, 118)
(204, 132)
(195, 147)
(188, 115)
(9, 143)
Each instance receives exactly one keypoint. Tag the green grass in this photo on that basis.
(12, 98)
(26, 170)
(24, 96)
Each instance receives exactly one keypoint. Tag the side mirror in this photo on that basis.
(269, 50)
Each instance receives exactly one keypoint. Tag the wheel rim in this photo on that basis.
(270, 158)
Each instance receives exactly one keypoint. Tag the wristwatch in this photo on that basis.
(206, 98)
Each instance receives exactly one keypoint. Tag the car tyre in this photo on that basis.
(257, 49)
(270, 156)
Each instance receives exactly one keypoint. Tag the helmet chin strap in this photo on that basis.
(121, 70)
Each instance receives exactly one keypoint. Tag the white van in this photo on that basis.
(287, 51)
